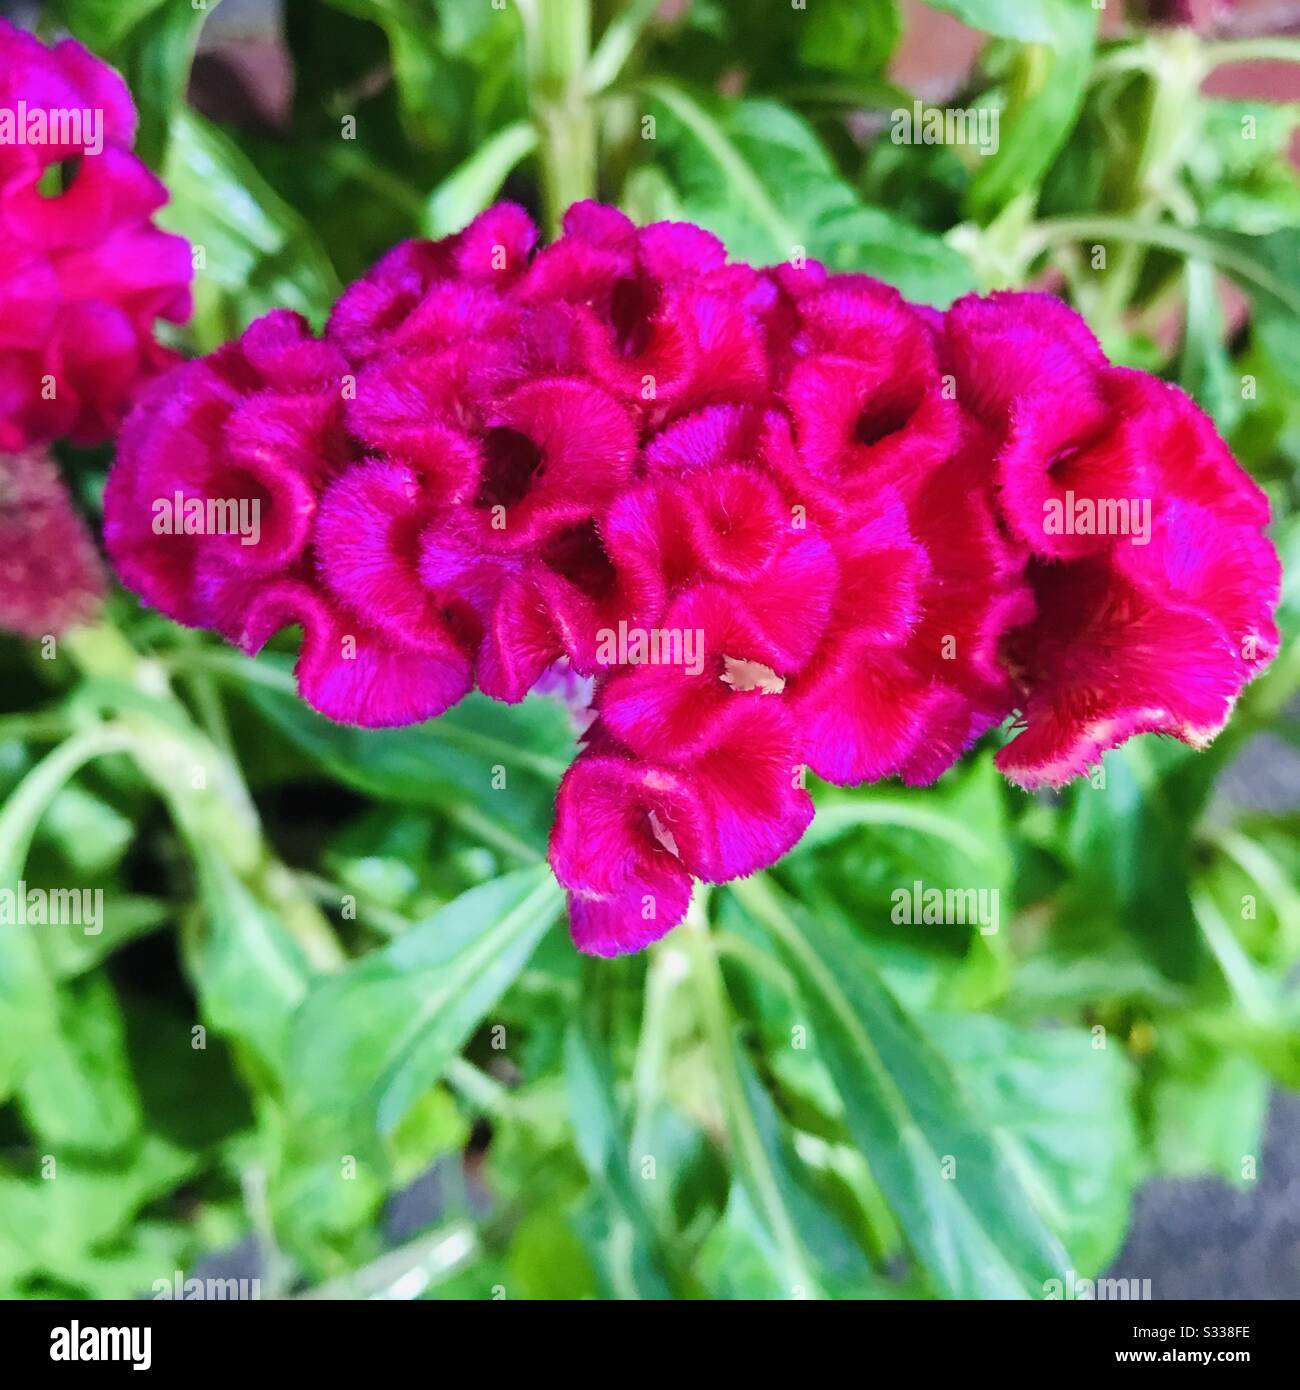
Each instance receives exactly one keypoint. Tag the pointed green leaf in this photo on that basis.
(948, 1179)
(370, 1040)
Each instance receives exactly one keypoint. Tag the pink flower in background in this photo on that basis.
(84, 273)
(767, 520)
(50, 572)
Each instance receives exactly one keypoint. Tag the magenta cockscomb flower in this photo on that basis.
(84, 273)
(1154, 586)
(908, 676)
(213, 510)
(772, 520)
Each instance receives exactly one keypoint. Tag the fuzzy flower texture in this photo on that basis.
(784, 519)
(84, 274)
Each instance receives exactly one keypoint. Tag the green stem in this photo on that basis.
(621, 35)
(1175, 75)
(557, 50)
(405, 1273)
(27, 803)
(664, 974)
(1265, 49)
(1238, 970)
(1054, 231)
(99, 650)
(216, 811)
(751, 1157)
(330, 894)
(207, 701)
(485, 1093)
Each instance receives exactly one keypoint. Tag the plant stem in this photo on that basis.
(405, 1273)
(666, 970)
(1172, 120)
(617, 42)
(1265, 49)
(747, 1143)
(26, 804)
(485, 1093)
(216, 810)
(557, 50)
(1053, 231)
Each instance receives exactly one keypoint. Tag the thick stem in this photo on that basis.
(667, 968)
(214, 809)
(714, 1008)
(1172, 122)
(557, 48)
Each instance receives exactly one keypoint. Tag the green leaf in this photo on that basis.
(839, 815)
(448, 59)
(1240, 168)
(948, 1179)
(1207, 1107)
(89, 834)
(1268, 269)
(258, 254)
(59, 1222)
(152, 44)
(102, 24)
(72, 951)
(1061, 1105)
(755, 173)
(1128, 841)
(775, 1224)
(451, 762)
(867, 846)
(626, 1238)
(28, 1003)
(548, 1260)
(29, 801)
(471, 186)
(743, 1256)
(77, 1091)
(432, 1127)
(849, 36)
(1031, 21)
(619, 38)
(249, 973)
(369, 1041)
(157, 55)
(1044, 98)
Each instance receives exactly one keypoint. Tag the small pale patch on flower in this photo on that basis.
(663, 835)
(745, 675)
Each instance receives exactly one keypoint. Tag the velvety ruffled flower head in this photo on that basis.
(1154, 586)
(84, 274)
(764, 521)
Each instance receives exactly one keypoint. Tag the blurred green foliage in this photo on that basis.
(332, 958)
